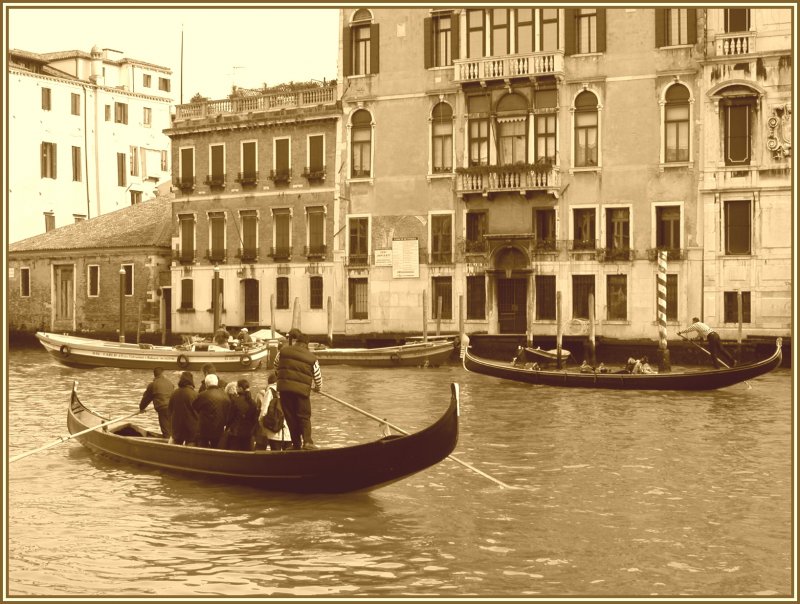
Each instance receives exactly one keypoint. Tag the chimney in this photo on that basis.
(96, 76)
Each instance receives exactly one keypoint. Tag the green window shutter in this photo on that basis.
(347, 48)
(661, 27)
(455, 41)
(570, 14)
(691, 16)
(374, 48)
(601, 30)
(428, 36)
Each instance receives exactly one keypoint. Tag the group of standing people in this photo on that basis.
(225, 415)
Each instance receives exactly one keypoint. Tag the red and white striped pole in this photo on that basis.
(661, 277)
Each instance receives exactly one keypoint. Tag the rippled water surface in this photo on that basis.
(620, 494)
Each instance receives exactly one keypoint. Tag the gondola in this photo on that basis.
(676, 380)
(418, 354)
(360, 467)
(75, 351)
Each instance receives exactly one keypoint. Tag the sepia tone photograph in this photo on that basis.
(339, 302)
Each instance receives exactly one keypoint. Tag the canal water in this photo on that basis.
(626, 494)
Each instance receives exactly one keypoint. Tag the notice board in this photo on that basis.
(405, 258)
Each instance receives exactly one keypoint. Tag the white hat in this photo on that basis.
(211, 380)
(244, 328)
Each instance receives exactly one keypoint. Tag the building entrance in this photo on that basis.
(512, 309)
(251, 301)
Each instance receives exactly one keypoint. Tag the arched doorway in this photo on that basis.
(512, 271)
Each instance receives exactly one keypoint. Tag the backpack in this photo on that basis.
(273, 419)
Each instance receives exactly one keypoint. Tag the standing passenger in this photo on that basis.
(242, 421)
(213, 409)
(158, 392)
(183, 415)
(208, 369)
(298, 369)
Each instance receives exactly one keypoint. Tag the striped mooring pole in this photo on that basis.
(664, 365)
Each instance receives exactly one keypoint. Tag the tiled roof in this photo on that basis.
(147, 224)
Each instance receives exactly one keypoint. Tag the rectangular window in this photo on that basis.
(672, 298)
(737, 19)
(442, 238)
(93, 281)
(545, 297)
(548, 20)
(737, 227)
(147, 80)
(216, 221)
(442, 134)
(316, 153)
(187, 294)
(585, 139)
(476, 229)
(25, 282)
(147, 117)
(163, 84)
(134, 161)
(358, 249)
(668, 227)
(617, 297)
(500, 33)
(77, 174)
(442, 290)
(75, 104)
(478, 142)
(677, 26)
(164, 165)
(315, 292)
(476, 297)
(122, 178)
(217, 165)
(544, 229)
(48, 160)
(121, 113)
(186, 179)
(282, 293)
(584, 236)
(587, 30)
(108, 113)
(441, 40)
(475, 33)
(128, 279)
(281, 158)
(731, 310)
(249, 220)
(582, 287)
(362, 151)
(738, 114)
(49, 221)
(362, 49)
(676, 132)
(316, 230)
(546, 137)
(283, 233)
(136, 197)
(249, 162)
(358, 299)
(47, 99)
(618, 235)
(512, 141)
(187, 238)
(524, 31)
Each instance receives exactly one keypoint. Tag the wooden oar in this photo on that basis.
(711, 355)
(401, 431)
(66, 438)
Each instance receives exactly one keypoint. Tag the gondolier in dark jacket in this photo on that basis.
(714, 344)
(213, 410)
(298, 372)
(183, 416)
(158, 392)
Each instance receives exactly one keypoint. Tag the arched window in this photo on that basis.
(512, 129)
(676, 124)
(361, 144)
(738, 109)
(442, 138)
(586, 130)
(361, 45)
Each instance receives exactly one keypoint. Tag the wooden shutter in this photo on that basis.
(316, 154)
(691, 18)
(217, 165)
(661, 27)
(43, 156)
(455, 38)
(374, 48)
(347, 52)
(601, 30)
(427, 28)
(570, 14)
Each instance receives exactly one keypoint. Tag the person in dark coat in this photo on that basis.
(244, 415)
(158, 392)
(213, 409)
(208, 369)
(183, 416)
(221, 336)
(298, 370)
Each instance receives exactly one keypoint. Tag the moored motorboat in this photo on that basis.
(336, 470)
(76, 351)
(706, 379)
(418, 354)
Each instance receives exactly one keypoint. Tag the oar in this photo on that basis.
(66, 438)
(401, 431)
(711, 355)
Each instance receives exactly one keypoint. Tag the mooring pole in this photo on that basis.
(121, 303)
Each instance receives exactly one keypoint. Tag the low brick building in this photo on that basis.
(68, 280)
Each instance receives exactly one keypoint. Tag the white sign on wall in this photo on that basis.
(405, 258)
(383, 257)
(11, 272)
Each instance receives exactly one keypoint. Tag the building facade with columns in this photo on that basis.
(87, 134)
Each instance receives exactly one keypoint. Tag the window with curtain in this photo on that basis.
(618, 235)
(357, 298)
(586, 122)
(617, 297)
(442, 138)
(582, 288)
(442, 238)
(478, 109)
(512, 129)
(668, 227)
(360, 32)
(442, 289)
(676, 124)
(361, 144)
(585, 231)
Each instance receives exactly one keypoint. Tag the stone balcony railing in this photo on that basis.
(511, 66)
(498, 179)
(734, 44)
(324, 95)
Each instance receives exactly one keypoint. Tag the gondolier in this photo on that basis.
(716, 349)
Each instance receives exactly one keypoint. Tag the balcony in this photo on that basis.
(475, 246)
(183, 256)
(247, 179)
(584, 249)
(509, 67)
(216, 255)
(215, 181)
(735, 44)
(615, 254)
(247, 254)
(280, 252)
(314, 175)
(515, 178)
(315, 251)
(673, 254)
(186, 185)
(280, 176)
(546, 247)
(358, 260)
(441, 257)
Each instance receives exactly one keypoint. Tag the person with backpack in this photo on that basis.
(298, 373)
(271, 429)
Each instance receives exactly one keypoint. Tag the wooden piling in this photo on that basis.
(439, 303)
(592, 352)
(424, 315)
(330, 321)
(558, 330)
